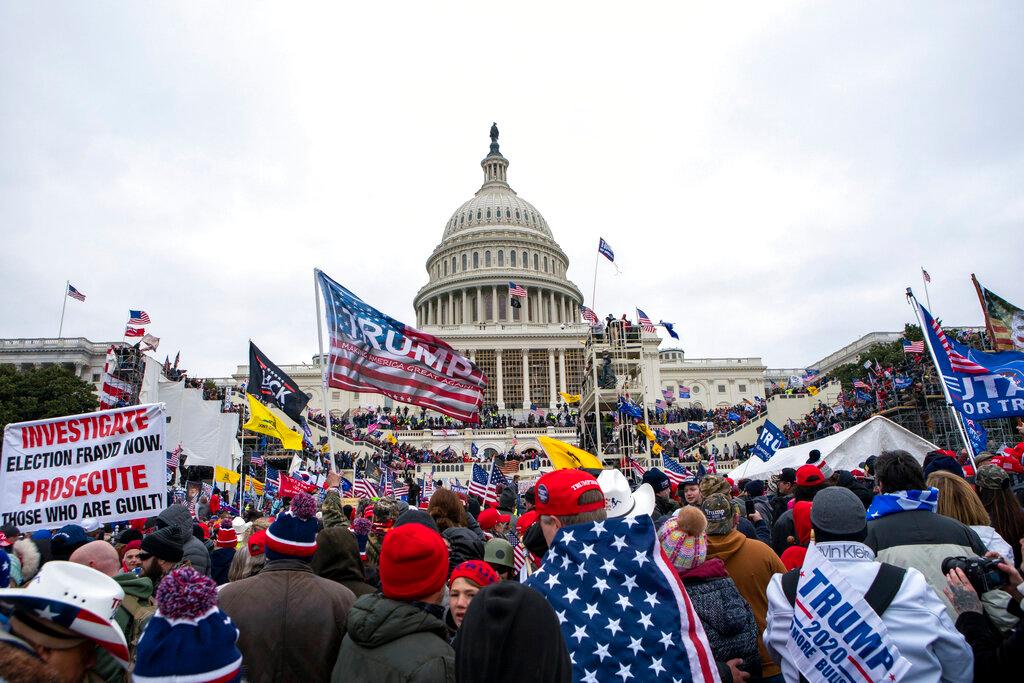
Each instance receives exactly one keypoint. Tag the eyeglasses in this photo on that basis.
(143, 555)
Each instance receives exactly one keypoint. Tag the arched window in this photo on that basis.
(545, 264)
(501, 258)
(526, 261)
(517, 215)
(453, 264)
(512, 258)
(478, 214)
(487, 259)
(536, 262)
(508, 213)
(462, 220)
(476, 259)
(464, 262)
(488, 212)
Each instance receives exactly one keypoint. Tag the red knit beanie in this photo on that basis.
(477, 571)
(413, 563)
(226, 536)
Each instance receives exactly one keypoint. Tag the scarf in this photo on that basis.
(903, 501)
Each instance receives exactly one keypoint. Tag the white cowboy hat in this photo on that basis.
(619, 501)
(77, 598)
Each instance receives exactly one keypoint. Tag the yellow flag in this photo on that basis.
(256, 486)
(224, 475)
(263, 421)
(813, 391)
(566, 456)
(569, 398)
(656, 449)
(390, 438)
(645, 430)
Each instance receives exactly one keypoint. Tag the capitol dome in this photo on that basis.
(493, 239)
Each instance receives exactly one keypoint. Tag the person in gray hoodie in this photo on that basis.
(177, 516)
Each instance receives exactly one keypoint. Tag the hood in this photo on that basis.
(463, 545)
(725, 546)
(140, 587)
(337, 556)
(177, 516)
(713, 568)
(375, 620)
(30, 556)
(332, 513)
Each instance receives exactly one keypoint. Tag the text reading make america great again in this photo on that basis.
(109, 466)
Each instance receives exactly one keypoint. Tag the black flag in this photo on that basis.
(514, 302)
(272, 386)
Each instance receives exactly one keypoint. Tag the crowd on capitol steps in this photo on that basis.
(898, 570)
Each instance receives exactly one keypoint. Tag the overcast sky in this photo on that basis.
(771, 178)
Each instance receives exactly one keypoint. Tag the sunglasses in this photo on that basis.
(143, 555)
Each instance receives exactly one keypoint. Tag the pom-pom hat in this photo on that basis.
(189, 638)
(684, 538)
(226, 536)
(293, 534)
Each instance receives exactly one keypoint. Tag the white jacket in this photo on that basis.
(916, 620)
(993, 541)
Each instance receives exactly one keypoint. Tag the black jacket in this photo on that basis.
(220, 563)
(337, 559)
(463, 545)
(995, 658)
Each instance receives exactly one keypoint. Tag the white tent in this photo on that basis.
(842, 451)
(206, 435)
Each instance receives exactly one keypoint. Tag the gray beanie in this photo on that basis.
(838, 511)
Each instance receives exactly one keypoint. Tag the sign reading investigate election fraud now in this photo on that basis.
(110, 465)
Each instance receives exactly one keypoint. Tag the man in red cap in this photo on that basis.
(493, 523)
(567, 497)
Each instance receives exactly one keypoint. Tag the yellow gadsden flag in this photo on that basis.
(225, 476)
(569, 398)
(812, 390)
(263, 421)
(565, 456)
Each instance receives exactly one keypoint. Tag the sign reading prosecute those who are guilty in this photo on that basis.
(109, 466)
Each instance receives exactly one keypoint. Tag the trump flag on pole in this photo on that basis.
(371, 352)
(109, 465)
(769, 440)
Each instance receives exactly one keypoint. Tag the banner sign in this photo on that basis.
(371, 352)
(445, 432)
(827, 647)
(289, 486)
(770, 440)
(109, 465)
(977, 435)
(270, 384)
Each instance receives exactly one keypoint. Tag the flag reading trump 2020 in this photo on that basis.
(374, 353)
(109, 465)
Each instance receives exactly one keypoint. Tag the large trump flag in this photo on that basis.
(371, 352)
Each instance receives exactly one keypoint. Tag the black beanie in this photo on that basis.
(165, 544)
(505, 620)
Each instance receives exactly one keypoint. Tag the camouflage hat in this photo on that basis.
(719, 510)
(983, 457)
(385, 509)
(713, 484)
(990, 477)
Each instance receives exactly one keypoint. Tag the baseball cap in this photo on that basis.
(788, 475)
(658, 480)
(499, 551)
(718, 509)
(809, 475)
(713, 484)
(991, 477)
(489, 517)
(558, 493)
(525, 521)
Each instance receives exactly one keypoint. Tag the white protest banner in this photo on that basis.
(835, 635)
(110, 465)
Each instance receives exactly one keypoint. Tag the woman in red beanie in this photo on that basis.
(465, 582)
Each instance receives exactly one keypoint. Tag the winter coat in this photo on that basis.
(751, 564)
(663, 506)
(337, 559)
(783, 530)
(463, 545)
(195, 552)
(138, 600)
(916, 620)
(220, 563)
(779, 505)
(393, 642)
(507, 501)
(993, 541)
(764, 508)
(290, 621)
(995, 658)
(922, 540)
(757, 532)
(726, 616)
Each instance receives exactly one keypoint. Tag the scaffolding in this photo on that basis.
(124, 371)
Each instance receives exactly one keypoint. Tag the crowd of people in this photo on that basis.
(452, 589)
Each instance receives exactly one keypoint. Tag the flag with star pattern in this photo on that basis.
(622, 608)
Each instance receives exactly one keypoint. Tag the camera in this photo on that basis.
(982, 572)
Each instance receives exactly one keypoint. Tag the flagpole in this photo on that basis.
(323, 367)
(593, 292)
(64, 306)
(926, 296)
(945, 390)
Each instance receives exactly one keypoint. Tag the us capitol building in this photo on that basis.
(530, 353)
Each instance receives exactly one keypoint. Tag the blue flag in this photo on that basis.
(901, 382)
(977, 435)
(621, 606)
(629, 408)
(770, 440)
(696, 427)
(735, 417)
(672, 333)
(863, 396)
(473, 450)
(605, 250)
(983, 386)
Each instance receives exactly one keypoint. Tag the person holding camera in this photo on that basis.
(996, 656)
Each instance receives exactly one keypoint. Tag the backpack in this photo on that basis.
(879, 594)
(139, 613)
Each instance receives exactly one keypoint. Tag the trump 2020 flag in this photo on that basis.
(374, 353)
(770, 440)
(621, 606)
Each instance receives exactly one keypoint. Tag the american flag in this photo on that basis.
(589, 316)
(516, 290)
(957, 361)
(256, 460)
(913, 347)
(174, 457)
(518, 556)
(497, 477)
(637, 467)
(387, 483)
(617, 599)
(479, 483)
(926, 276)
(712, 465)
(858, 384)
(645, 322)
(138, 317)
(135, 332)
(364, 488)
(667, 393)
(402, 490)
(535, 411)
(399, 361)
(74, 293)
(673, 470)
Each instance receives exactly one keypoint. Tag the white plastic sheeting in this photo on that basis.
(207, 436)
(842, 451)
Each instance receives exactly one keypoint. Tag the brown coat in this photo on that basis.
(290, 622)
(751, 565)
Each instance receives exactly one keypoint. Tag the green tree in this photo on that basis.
(39, 393)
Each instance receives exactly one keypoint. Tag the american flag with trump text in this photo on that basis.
(371, 352)
(645, 322)
(621, 606)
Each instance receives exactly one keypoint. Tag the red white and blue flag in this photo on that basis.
(138, 317)
(479, 484)
(621, 607)
(74, 293)
(364, 488)
(516, 290)
(373, 353)
(589, 316)
(605, 250)
(645, 322)
(675, 472)
(135, 332)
